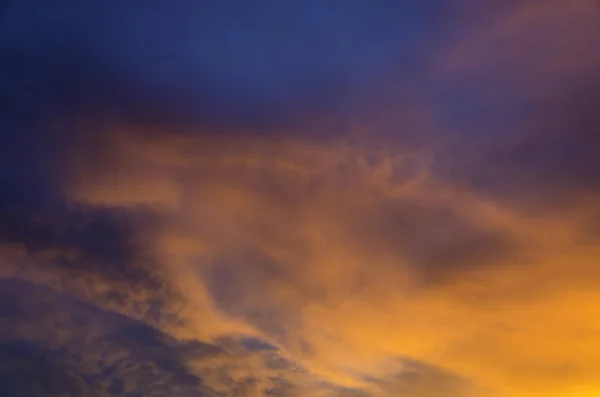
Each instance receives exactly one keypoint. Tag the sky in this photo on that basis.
(395, 198)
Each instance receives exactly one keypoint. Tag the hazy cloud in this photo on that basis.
(392, 197)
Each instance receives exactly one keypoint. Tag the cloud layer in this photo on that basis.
(348, 267)
(399, 199)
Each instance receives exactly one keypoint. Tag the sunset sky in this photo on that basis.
(397, 198)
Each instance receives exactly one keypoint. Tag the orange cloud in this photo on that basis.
(353, 259)
(320, 248)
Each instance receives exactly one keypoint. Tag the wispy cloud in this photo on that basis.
(324, 253)
(415, 212)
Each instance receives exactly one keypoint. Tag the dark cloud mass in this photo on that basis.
(54, 345)
(299, 198)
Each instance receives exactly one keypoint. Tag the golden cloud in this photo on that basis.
(349, 259)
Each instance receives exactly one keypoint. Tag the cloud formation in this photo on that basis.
(415, 212)
(331, 257)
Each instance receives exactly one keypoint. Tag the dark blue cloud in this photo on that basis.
(533, 152)
(52, 344)
(215, 59)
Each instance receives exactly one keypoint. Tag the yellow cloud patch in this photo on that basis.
(320, 249)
